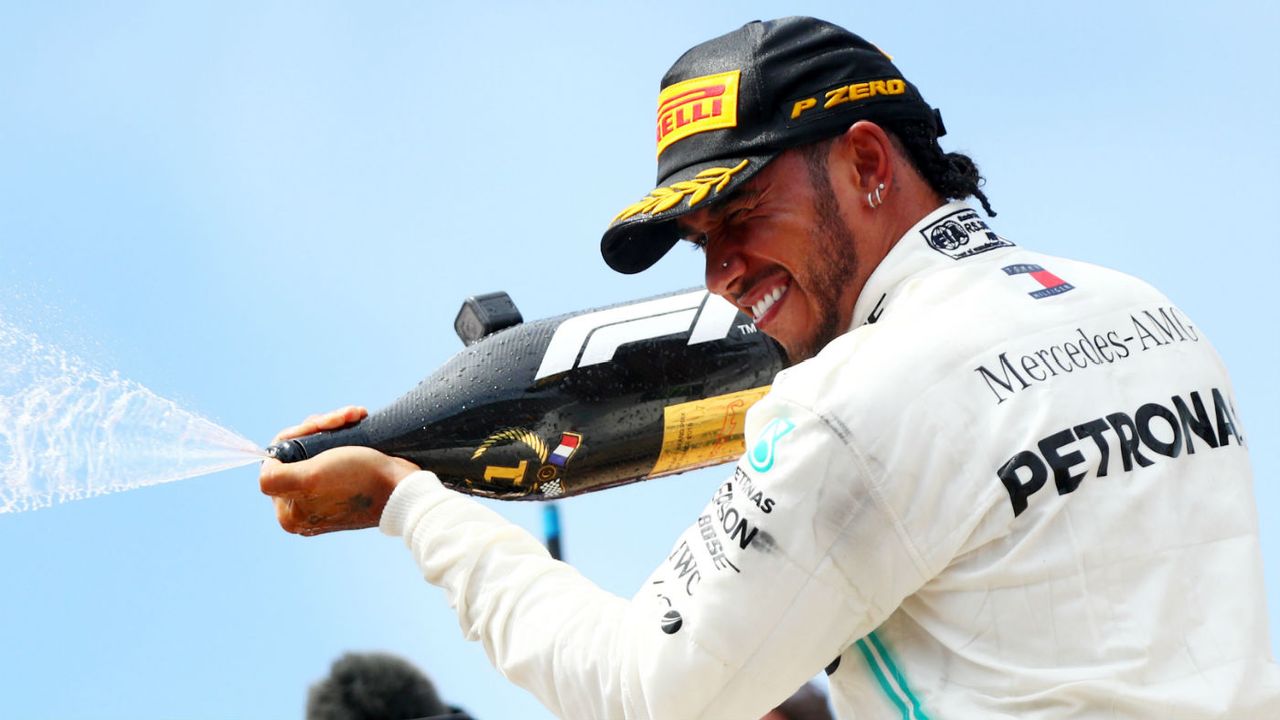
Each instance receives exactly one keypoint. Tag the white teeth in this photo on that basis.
(760, 308)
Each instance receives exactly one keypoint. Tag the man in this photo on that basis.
(995, 484)
(377, 686)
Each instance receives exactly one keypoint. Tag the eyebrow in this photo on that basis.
(716, 213)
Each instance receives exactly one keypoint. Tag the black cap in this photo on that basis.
(730, 105)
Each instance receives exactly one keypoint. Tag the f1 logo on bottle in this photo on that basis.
(762, 455)
(593, 338)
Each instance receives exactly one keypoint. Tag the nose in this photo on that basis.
(724, 268)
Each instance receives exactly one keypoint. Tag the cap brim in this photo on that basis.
(643, 232)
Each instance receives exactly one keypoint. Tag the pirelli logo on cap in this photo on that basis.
(696, 105)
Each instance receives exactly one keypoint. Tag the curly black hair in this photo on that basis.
(373, 686)
(953, 176)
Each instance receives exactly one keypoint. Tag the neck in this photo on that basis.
(912, 200)
(877, 230)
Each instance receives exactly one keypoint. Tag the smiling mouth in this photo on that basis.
(762, 307)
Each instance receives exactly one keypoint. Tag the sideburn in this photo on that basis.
(834, 264)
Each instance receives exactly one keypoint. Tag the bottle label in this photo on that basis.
(704, 432)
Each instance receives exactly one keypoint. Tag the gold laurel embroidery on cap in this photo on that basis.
(518, 434)
(664, 198)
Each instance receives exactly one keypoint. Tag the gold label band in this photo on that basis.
(704, 432)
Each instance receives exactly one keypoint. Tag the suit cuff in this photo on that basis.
(412, 497)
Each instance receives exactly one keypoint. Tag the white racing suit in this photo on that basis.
(1017, 488)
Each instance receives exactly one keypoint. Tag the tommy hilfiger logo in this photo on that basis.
(1049, 284)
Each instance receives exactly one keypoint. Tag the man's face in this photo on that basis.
(779, 249)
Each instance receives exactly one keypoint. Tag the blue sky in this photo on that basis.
(268, 209)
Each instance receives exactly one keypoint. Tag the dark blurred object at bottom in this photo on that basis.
(807, 703)
(377, 686)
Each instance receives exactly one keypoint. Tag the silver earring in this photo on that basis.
(878, 201)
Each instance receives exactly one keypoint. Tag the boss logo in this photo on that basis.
(593, 338)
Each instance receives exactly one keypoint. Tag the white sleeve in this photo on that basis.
(791, 562)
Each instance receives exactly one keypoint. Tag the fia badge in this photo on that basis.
(962, 234)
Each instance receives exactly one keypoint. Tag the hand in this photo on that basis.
(344, 488)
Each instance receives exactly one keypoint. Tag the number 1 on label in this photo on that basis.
(514, 474)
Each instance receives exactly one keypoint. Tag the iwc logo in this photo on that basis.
(962, 234)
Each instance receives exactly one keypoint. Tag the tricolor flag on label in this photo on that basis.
(569, 443)
(1048, 283)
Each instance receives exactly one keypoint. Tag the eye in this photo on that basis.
(698, 241)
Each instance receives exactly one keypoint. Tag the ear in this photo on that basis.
(868, 156)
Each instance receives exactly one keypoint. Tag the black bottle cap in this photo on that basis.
(287, 451)
(482, 315)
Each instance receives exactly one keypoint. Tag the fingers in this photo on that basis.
(293, 503)
(277, 478)
(327, 421)
(340, 489)
(293, 518)
(345, 416)
(303, 516)
(284, 512)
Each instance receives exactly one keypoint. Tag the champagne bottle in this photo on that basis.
(575, 403)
